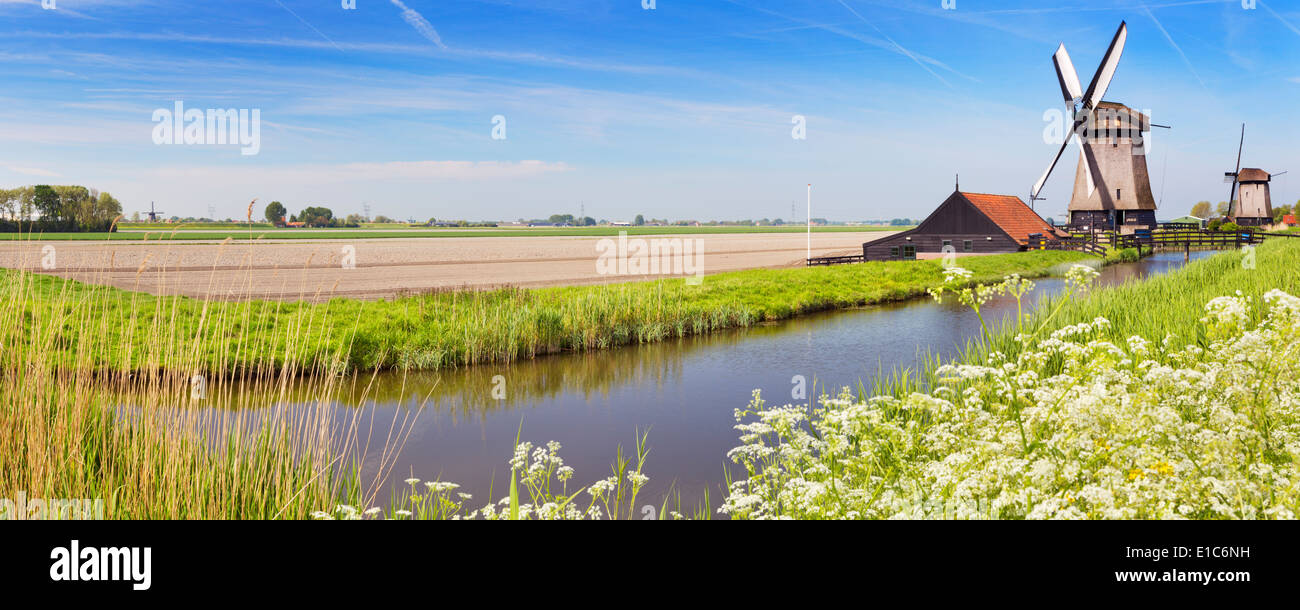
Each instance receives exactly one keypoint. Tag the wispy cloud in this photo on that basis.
(885, 42)
(522, 57)
(420, 24)
(436, 171)
(33, 171)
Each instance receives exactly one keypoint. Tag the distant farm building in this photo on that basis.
(971, 223)
(1185, 222)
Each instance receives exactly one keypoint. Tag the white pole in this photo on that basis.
(808, 218)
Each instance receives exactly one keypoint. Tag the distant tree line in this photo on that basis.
(318, 216)
(311, 216)
(1203, 209)
(57, 209)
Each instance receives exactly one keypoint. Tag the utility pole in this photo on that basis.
(809, 218)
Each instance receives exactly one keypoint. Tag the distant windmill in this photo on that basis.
(1111, 187)
(153, 214)
(1250, 205)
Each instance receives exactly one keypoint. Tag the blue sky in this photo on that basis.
(683, 111)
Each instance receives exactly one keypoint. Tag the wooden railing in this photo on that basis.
(1078, 244)
(836, 260)
(1099, 243)
(1191, 239)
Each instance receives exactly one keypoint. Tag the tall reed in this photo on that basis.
(194, 409)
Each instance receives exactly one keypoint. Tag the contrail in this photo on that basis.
(1174, 45)
(897, 46)
(304, 22)
(1279, 18)
(420, 24)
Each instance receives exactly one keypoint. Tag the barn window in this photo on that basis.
(909, 253)
(947, 243)
(967, 245)
(893, 252)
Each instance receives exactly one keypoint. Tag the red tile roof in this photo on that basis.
(1011, 214)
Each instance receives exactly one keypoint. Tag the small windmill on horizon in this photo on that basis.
(153, 214)
(1250, 203)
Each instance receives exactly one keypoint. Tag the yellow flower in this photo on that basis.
(1136, 474)
(1163, 468)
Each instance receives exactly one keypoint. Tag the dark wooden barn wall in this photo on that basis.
(956, 220)
(980, 244)
(1100, 219)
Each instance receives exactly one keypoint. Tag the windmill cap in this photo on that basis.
(1112, 110)
(1252, 174)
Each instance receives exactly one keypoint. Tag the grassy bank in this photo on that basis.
(440, 330)
(1176, 397)
(102, 391)
(143, 444)
(200, 232)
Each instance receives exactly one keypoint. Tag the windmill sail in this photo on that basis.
(1068, 78)
(1232, 208)
(1106, 72)
(1069, 81)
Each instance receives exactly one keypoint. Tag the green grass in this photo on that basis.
(192, 232)
(1173, 303)
(1130, 403)
(1126, 255)
(1170, 304)
(142, 443)
(446, 329)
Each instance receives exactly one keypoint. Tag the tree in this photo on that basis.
(588, 221)
(107, 209)
(1201, 209)
(315, 216)
(640, 220)
(46, 201)
(275, 212)
(1280, 212)
(1221, 209)
(8, 203)
(76, 204)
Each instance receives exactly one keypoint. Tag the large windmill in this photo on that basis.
(1252, 205)
(1112, 189)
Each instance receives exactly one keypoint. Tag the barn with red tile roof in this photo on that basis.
(972, 223)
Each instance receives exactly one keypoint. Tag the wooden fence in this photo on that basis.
(836, 260)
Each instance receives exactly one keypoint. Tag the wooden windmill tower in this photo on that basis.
(1112, 189)
(1251, 206)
